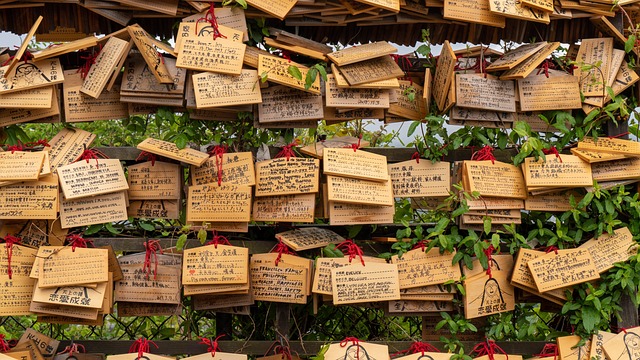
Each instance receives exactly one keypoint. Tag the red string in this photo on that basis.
(287, 150)
(488, 348)
(151, 250)
(42, 142)
(550, 249)
(619, 135)
(161, 57)
(486, 153)
(549, 350)
(4, 345)
(419, 245)
(77, 241)
(281, 248)
(354, 341)
(9, 241)
(355, 147)
(624, 330)
(351, 249)
(210, 17)
(14, 148)
(89, 154)
(73, 348)
(417, 347)
(416, 157)
(88, 62)
(212, 345)
(489, 251)
(404, 63)
(25, 57)
(552, 151)
(284, 350)
(218, 240)
(141, 346)
(144, 155)
(218, 151)
(286, 55)
(545, 66)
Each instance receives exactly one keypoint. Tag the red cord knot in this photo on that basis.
(622, 329)
(489, 348)
(545, 66)
(88, 62)
(218, 151)
(417, 347)
(77, 241)
(419, 245)
(152, 247)
(489, 252)
(284, 351)
(41, 142)
(89, 154)
(286, 55)
(25, 57)
(141, 346)
(348, 247)
(486, 153)
(4, 345)
(551, 248)
(416, 157)
(14, 148)
(9, 241)
(354, 342)
(147, 156)
(549, 350)
(72, 349)
(552, 151)
(281, 248)
(287, 150)
(210, 17)
(356, 146)
(212, 344)
(218, 240)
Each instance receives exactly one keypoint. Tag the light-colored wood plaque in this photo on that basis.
(23, 47)
(211, 264)
(567, 267)
(98, 209)
(148, 50)
(539, 93)
(28, 99)
(616, 170)
(21, 165)
(309, 238)
(282, 103)
(287, 208)
(592, 52)
(609, 249)
(444, 75)
(480, 92)
(355, 164)
(217, 90)
(205, 54)
(277, 70)
(84, 179)
(360, 53)
(79, 107)
(66, 266)
(282, 176)
(542, 5)
(495, 179)
(472, 11)
(15, 295)
(514, 57)
(563, 171)
(419, 179)
(154, 181)
(156, 209)
(237, 168)
(31, 75)
(219, 203)
(354, 214)
(278, 283)
(36, 199)
(419, 268)
(354, 98)
(67, 146)
(104, 67)
(526, 67)
(80, 296)
(376, 282)
(358, 191)
(368, 71)
(518, 10)
(277, 8)
(170, 150)
(610, 145)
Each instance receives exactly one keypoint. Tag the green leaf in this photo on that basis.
(295, 72)
(111, 229)
(486, 224)
(181, 141)
(312, 74)
(202, 235)
(630, 43)
(182, 241)
(590, 317)
(147, 226)
(93, 229)
(412, 128)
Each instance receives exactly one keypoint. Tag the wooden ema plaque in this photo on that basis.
(97, 209)
(563, 171)
(595, 157)
(286, 208)
(361, 53)
(355, 164)
(609, 249)
(417, 308)
(551, 202)
(613, 146)
(404, 107)
(317, 149)
(276, 70)
(154, 209)
(514, 57)
(79, 296)
(67, 267)
(419, 179)
(150, 54)
(205, 54)
(486, 93)
(286, 283)
(22, 259)
(539, 93)
(526, 67)
(218, 354)
(358, 191)
(104, 67)
(518, 10)
(218, 90)
(567, 267)
(309, 238)
(154, 181)
(67, 146)
(486, 295)
(495, 179)
(46, 345)
(191, 29)
(215, 264)
(616, 170)
(31, 75)
(355, 214)
(568, 348)
(30, 199)
(591, 52)
(88, 178)
(162, 286)
(237, 169)
(23, 114)
(444, 75)
(472, 11)
(40, 98)
(79, 107)
(359, 350)
(322, 283)
(282, 103)
(282, 176)
(219, 203)
(277, 8)
(420, 268)
(15, 295)
(138, 79)
(20, 165)
(622, 345)
(170, 150)
(354, 98)
(542, 5)
(382, 84)
(368, 71)
(23, 47)
(376, 282)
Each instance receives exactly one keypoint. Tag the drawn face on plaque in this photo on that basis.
(27, 74)
(425, 357)
(632, 345)
(356, 352)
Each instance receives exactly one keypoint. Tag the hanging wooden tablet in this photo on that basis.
(67, 146)
(567, 267)
(282, 103)
(142, 40)
(488, 294)
(104, 67)
(154, 181)
(79, 107)
(472, 11)
(360, 53)
(494, 179)
(341, 213)
(287, 208)
(160, 287)
(609, 249)
(358, 349)
(420, 268)
(444, 75)
(36, 199)
(355, 164)
(308, 238)
(368, 71)
(215, 264)
(97, 209)
(219, 203)
(277, 70)
(518, 10)
(376, 282)
(170, 150)
(354, 98)
(591, 52)
(23, 47)
(278, 8)
(67, 267)
(286, 283)
(84, 179)
(282, 176)
(357, 191)
(31, 75)
(526, 67)
(237, 169)
(206, 54)
(218, 90)
(486, 93)
(562, 171)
